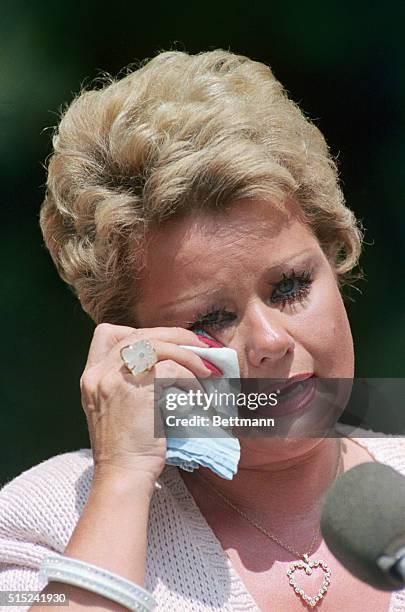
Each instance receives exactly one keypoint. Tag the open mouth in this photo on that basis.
(292, 398)
(296, 388)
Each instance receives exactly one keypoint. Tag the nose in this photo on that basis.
(267, 337)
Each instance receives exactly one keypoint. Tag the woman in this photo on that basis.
(194, 195)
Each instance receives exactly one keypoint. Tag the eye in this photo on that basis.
(292, 288)
(213, 317)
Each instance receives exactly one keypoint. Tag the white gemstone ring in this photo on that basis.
(139, 357)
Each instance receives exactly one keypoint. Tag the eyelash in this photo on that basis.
(217, 317)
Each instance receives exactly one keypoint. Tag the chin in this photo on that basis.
(264, 451)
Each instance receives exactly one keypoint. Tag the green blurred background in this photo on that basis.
(342, 62)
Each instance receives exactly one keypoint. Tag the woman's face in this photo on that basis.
(256, 280)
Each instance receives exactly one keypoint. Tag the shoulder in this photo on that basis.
(383, 447)
(43, 503)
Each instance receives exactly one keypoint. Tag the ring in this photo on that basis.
(139, 357)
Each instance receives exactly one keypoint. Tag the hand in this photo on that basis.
(119, 406)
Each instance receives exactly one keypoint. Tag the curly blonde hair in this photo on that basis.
(180, 133)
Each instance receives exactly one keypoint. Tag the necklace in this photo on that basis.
(305, 564)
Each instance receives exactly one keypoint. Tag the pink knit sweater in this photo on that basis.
(187, 570)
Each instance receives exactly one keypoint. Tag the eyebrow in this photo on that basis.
(219, 289)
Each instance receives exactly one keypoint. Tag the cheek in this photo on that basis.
(328, 335)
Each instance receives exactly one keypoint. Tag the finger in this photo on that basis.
(166, 350)
(106, 336)
(169, 373)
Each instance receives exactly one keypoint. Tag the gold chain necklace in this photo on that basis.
(305, 563)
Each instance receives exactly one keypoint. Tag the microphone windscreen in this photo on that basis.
(363, 518)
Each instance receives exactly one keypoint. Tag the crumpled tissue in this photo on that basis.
(220, 454)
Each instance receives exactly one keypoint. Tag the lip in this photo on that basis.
(294, 404)
(282, 383)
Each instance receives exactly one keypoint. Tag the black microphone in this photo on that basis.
(363, 524)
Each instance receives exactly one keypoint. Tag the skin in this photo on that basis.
(280, 483)
(272, 340)
(233, 251)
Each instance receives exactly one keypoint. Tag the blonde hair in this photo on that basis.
(180, 133)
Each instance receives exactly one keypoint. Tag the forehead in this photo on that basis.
(205, 248)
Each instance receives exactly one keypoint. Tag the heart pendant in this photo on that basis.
(308, 567)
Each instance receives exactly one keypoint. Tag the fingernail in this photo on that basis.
(213, 369)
